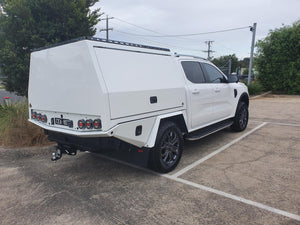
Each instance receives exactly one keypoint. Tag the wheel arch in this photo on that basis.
(166, 154)
(177, 118)
(244, 98)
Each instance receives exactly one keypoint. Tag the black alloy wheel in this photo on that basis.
(168, 148)
(241, 118)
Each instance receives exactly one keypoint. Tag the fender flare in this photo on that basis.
(152, 137)
(244, 97)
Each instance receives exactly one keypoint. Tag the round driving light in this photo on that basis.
(89, 124)
(97, 124)
(81, 124)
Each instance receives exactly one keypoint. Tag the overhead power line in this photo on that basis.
(147, 29)
(165, 44)
(178, 35)
(193, 34)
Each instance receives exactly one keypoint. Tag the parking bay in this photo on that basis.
(245, 179)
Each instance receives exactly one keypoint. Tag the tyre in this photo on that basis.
(167, 151)
(240, 120)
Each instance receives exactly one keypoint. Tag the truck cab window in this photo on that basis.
(214, 75)
(193, 71)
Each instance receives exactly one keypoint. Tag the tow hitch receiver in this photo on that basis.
(60, 150)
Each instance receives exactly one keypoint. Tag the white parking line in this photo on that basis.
(196, 163)
(277, 123)
(175, 177)
(234, 197)
(208, 189)
(285, 124)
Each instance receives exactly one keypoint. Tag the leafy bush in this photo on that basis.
(278, 60)
(15, 130)
(255, 88)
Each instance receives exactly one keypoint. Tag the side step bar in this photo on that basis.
(201, 133)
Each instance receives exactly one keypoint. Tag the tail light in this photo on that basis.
(38, 116)
(89, 124)
(33, 115)
(81, 124)
(97, 124)
(44, 118)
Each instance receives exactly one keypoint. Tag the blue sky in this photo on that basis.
(197, 16)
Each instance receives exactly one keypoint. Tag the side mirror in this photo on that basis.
(233, 79)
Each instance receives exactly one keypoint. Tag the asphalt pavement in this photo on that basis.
(251, 177)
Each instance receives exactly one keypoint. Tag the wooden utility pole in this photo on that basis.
(209, 57)
(107, 27)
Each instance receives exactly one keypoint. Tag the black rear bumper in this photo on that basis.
(94, 144)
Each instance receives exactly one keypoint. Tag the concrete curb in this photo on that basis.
(259, 96)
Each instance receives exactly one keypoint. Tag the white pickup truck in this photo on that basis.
(89, 92)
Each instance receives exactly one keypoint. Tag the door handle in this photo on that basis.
(217, 90)
(195, 91)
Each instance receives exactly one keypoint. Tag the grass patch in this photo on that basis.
(15, 130)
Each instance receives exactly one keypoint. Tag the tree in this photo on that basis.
(30, 24)
(223, 63)
(278, 60)
(244, 63)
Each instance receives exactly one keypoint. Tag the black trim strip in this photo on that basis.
(127, 50)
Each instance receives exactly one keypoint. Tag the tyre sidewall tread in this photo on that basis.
(155, 154)
(236, 125)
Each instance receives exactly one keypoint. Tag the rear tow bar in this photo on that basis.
(60, 150)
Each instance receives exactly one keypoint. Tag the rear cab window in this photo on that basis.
(193, 72)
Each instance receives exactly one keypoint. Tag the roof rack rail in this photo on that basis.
(103, 40)
(127, 44)
(197, 57)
